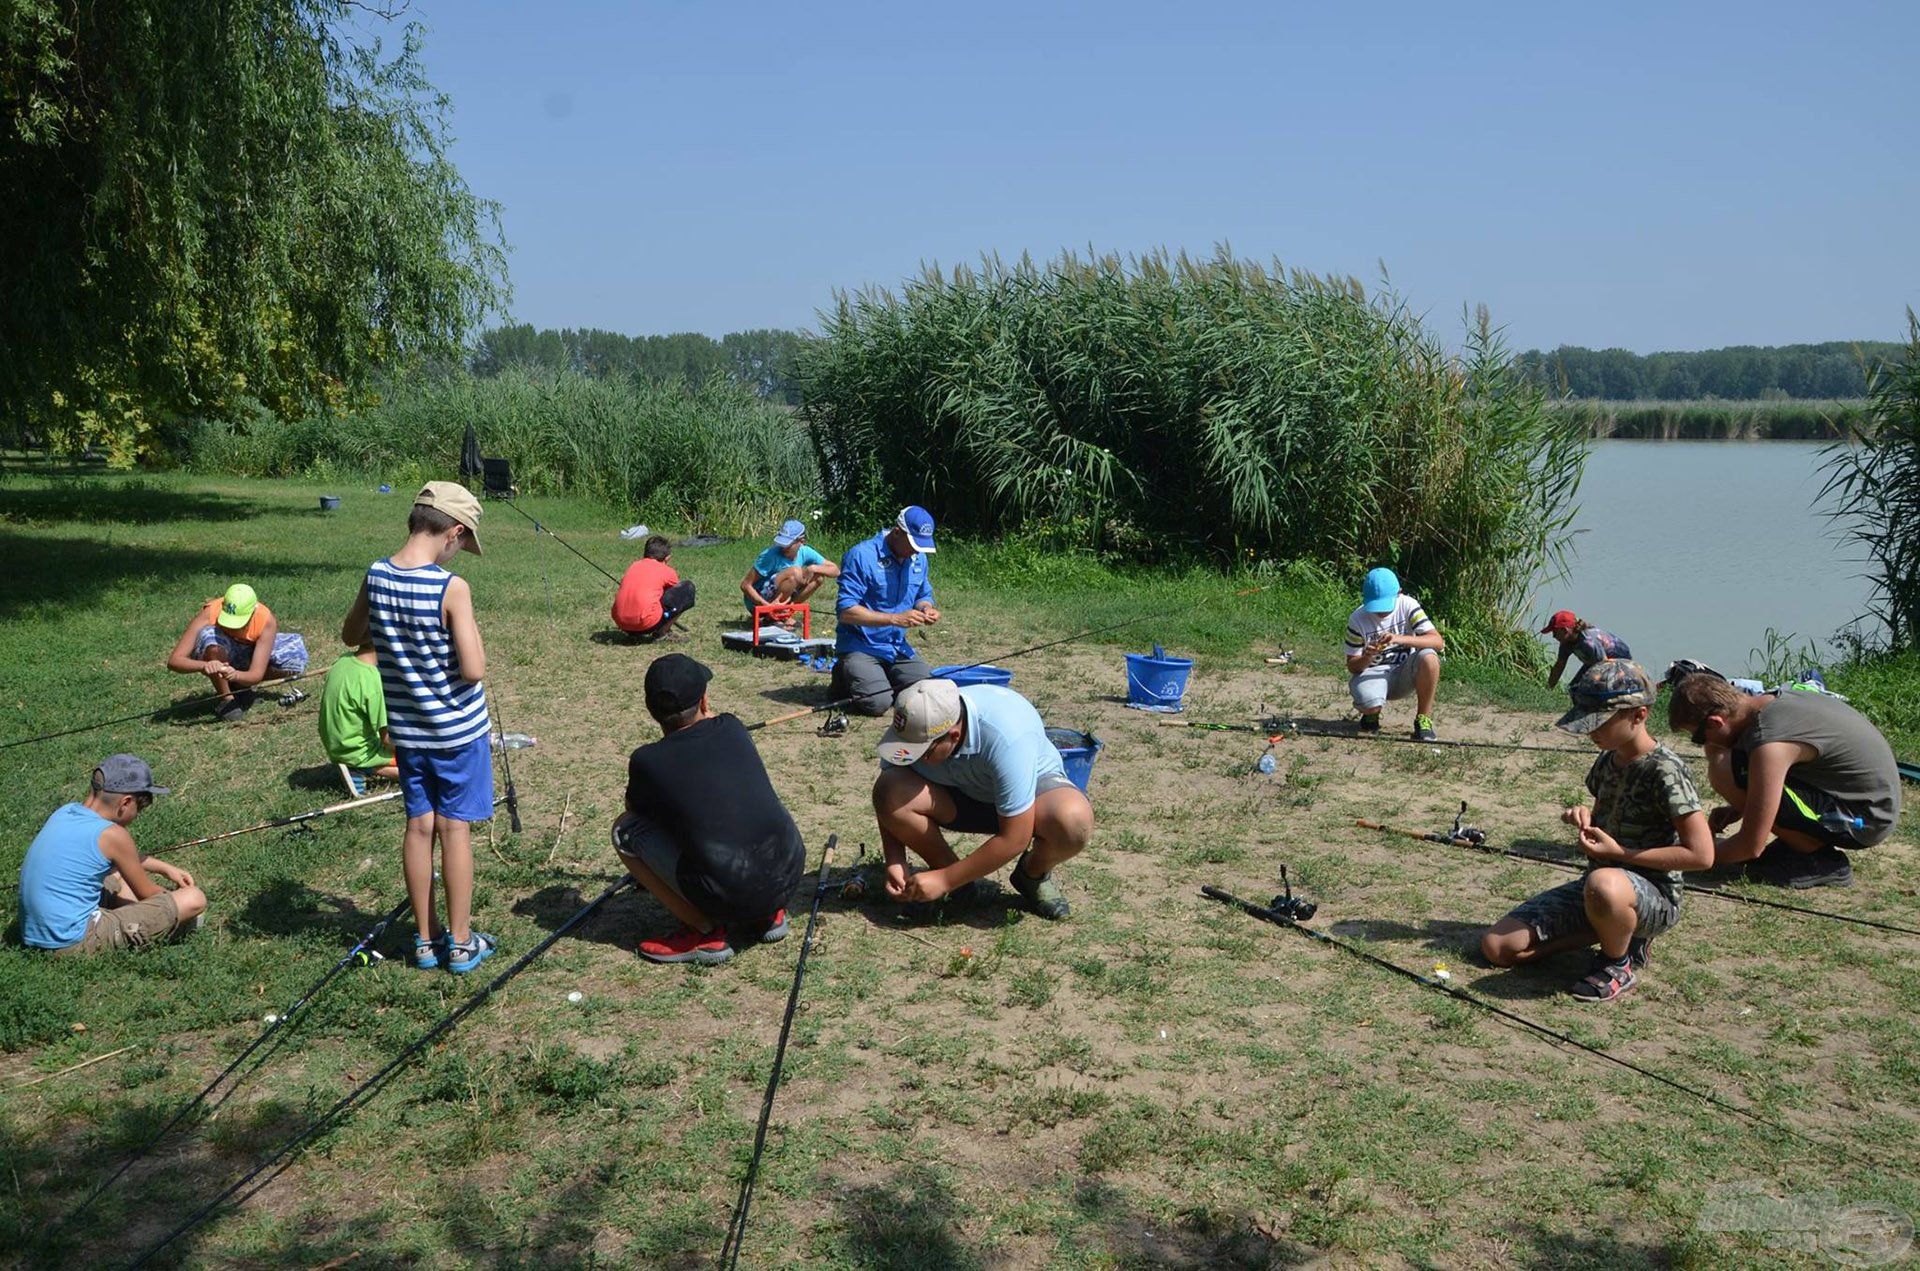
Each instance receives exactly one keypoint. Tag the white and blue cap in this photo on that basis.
(1380, 591)
(790, 533)
(917, 524)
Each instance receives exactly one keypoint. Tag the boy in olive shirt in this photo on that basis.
(1644, 827)
(353, 720)
(1804, 774)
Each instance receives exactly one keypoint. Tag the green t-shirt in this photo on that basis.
(353, 710)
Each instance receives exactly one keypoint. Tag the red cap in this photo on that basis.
(1561, 621)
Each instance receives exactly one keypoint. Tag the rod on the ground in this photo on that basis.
(347, 959)
(159, 710)
(347, 806)
(1268, 914)
(737, 1228)
(372, 1085)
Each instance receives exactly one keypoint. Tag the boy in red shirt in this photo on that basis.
(651, 595)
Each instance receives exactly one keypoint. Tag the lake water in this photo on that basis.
(1695, 548)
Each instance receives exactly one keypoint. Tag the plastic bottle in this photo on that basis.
(513, 741)
(1841, 823)
(1266, 763)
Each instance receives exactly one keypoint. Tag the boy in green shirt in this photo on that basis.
(353, 720)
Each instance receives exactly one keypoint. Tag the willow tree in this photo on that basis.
(203, 203)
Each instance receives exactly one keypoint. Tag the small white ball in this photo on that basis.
(272, 1018)
(575, 996)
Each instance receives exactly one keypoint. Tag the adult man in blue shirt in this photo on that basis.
(884, 590)
(976, 760)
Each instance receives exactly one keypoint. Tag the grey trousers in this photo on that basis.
(872, 683)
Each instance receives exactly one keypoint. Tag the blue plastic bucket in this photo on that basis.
(329, 502)
(973, 674)
(1156, 682)
(1077, 750)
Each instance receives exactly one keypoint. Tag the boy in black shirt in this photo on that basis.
(703, 830)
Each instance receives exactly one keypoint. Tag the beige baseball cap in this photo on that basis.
(922, 714)
(457, 502)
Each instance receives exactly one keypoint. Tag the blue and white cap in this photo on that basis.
(917, 523)
(790, 533)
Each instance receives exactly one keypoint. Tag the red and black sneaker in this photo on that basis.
(776, 928)
(708, 948)
(1608, 979)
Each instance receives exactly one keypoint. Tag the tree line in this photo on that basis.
(763, 361)
(1837, 369)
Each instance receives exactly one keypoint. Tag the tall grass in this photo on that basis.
(717, 457)
(1169, 408)
(1709, 419)
(1873, 483)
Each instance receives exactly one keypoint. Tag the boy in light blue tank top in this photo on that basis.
(432, 664)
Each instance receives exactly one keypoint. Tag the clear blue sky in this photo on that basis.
(1649, 176)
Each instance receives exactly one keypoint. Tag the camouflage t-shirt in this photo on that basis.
(1639, 803)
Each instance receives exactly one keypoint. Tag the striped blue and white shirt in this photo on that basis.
(429, 707)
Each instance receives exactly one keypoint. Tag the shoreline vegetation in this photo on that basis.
(1708, 419)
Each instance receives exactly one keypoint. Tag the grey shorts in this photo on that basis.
(973, 816)
(1388, 681)
(872, 684)
(650, 844)
(1562, 911)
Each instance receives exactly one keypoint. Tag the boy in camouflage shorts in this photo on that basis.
(1646, 825)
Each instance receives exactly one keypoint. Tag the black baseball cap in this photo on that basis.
(675, 683)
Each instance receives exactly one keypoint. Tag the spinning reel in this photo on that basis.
(1289, 907)
(1468, 834)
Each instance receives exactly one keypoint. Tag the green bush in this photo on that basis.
(1164, 408)
(1874, 480)
(716, 457)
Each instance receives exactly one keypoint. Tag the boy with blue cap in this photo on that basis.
(1393, 649)
(884, 591)
(788, 572)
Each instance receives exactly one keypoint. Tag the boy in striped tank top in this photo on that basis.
(420, 619)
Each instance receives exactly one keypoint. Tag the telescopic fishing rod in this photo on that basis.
(373, 1085)
(737, 1228)
(1279, 918)
(539, 527)
(160, 710)
(357, 954)
(506, 769)
(1480, 844)
(365, 801)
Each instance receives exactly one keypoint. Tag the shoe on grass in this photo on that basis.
(229, 710)
(708, 948)
(776, 928)
(464, 955)
(356, 782)
(1370, 723)
(1043, 895)
(426, 953)
(1608, 979)
(1423, 728)
(1781, 866)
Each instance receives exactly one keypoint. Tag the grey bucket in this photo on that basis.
(329, 502)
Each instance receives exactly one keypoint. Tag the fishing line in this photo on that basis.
(1268, 914)
(539, 528)
(1491, 850)
(160, 710)
(372, 1085)
(737, 1228)
(347, 959)
(1283, 728)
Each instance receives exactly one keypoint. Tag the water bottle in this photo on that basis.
(513, 741)
(1752, 688)
(1266, 763)
(1838, 822)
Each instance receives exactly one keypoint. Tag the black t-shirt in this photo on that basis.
(740, 852)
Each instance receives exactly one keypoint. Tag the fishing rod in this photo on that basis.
(1281, 917)
(357, 954)
(1281, 729)
(365, 801)
(540, 528)
(1475, 839)
(737, 1228)
(506, 768)
(372, 1085)
(160, 710)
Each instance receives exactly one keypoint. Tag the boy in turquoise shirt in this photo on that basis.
(788, 572)
(353, 720)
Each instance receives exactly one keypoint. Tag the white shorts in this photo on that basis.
(1388, 681)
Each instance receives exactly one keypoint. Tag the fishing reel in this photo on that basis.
(1462, 833)
(1289, 907)
(836, 725)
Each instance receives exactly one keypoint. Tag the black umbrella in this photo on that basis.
(470, 456)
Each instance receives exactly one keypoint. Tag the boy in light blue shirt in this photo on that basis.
(788, 572)
(976, 760)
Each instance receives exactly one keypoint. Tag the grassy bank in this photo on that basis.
(1156, 1081)
(1713, 420)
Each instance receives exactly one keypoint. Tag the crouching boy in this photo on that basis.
(1644, 827)
(704, 831)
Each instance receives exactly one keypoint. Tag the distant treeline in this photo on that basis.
(1775, 419)
(759, 360)
(1746, 373)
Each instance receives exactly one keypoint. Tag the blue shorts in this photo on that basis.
(455, 784)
